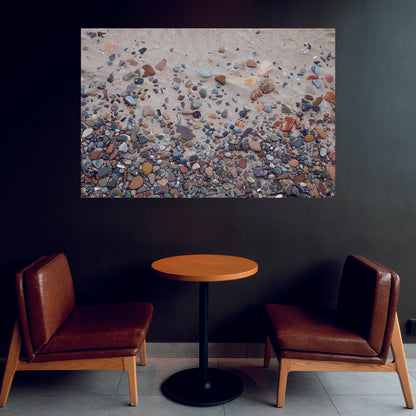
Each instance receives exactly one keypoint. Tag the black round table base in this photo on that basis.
(186, 387)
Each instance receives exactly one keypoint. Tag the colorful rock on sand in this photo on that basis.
(241, 124)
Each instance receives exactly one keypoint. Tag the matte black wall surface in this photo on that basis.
(300, 245)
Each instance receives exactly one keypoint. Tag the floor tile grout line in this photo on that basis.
(115, 394)
(327, 394)
(119, 382)
(111, 406)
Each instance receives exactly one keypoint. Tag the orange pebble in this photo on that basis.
(256, 94)
(331, 171)
(290, 121)
(110, 47)
(312, 77)
(143, 149)
(260, 107)
(212, 115)
(330, 96)
(250, 81)
(309, 138)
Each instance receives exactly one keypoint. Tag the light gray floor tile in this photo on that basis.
(151, 376)
(362, 383)
(411, 364)
(158, 405)
(105, 393)
(294, 406)
(79, 383)
(58, 405)
(261, 383)
(371, 405)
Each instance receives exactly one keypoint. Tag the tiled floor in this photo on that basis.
(102, 393)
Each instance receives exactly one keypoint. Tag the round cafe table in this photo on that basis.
(203, 386)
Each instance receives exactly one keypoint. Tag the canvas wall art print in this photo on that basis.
(207, 113)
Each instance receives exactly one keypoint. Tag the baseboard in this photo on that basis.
(215, 350)
(222, 350)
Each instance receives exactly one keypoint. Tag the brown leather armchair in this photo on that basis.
(355, 337)
(58, 335)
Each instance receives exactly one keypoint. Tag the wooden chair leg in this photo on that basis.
(143, 354)
(284, 369)
(400, 360)
(129, 364)
(267, 352)
(11, 365)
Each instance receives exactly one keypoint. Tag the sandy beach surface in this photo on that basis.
(207, 113)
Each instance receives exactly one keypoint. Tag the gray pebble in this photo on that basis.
(98, 163)
(196, 104)
(258, 172)
(129, 76)
(104, 171)
(298, 143)
(131, 88)
(123, 147)
(130, 100)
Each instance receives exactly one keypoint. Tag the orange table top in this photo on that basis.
(205, 267)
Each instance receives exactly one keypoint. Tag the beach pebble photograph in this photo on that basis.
(207, 113)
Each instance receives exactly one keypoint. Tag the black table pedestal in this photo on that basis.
(203, 386)
(186, 387)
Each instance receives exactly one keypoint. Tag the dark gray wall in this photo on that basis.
(300, 245)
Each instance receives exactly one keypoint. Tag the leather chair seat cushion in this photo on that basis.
(106, 326)
(301, 329)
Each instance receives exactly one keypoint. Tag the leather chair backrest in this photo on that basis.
(46, 298)
(394, 300)
(367, 301)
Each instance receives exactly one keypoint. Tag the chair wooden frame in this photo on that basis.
(398, 365)
(14, 363)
